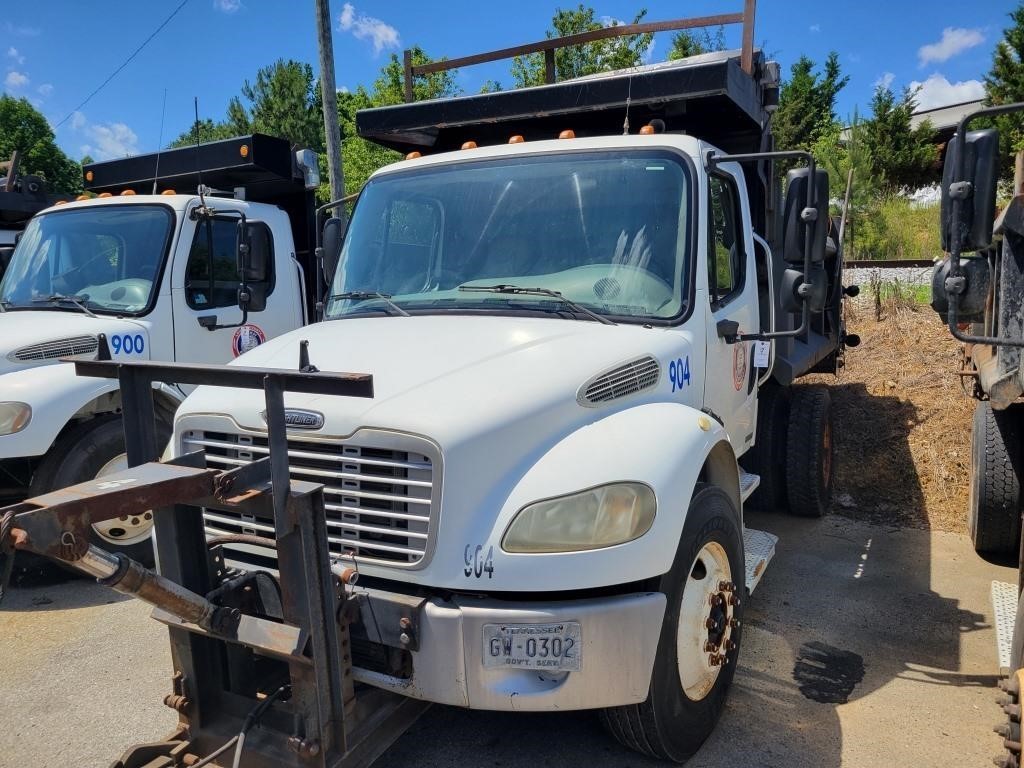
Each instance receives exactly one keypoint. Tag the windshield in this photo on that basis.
(609, 230)
(106, 257)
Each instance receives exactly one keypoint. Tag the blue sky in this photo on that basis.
(56, 53)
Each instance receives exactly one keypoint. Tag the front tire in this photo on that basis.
(89, 450)
(688, 688)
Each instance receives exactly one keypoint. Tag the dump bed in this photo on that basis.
(709, 96)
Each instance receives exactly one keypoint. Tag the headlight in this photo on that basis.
(599, 517)
(14, 417)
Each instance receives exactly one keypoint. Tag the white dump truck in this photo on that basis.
(161, 273)
(582, 305)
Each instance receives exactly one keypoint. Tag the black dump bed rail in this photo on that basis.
(708, 96)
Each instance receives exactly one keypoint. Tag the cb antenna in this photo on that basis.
(160, 142)
(199, 165)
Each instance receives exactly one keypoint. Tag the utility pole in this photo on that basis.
(329, 97)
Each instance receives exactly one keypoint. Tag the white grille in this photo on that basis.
(50, 350)
(627, 379)
(378, 500)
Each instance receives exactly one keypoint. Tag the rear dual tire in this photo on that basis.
(993, 508)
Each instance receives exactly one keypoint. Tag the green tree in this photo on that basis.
(283, 100)
(807, 103)
(686, 43)
(23, 128)
(207, 130)
(587, 59)
(901, 157)
(1004, 84)
(360, 157)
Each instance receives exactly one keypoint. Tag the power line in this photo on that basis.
(124, 64)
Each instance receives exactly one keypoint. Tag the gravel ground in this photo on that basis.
(906, 276)
(864, 645)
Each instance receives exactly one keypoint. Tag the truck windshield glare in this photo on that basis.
(106, 257)
(608, 230)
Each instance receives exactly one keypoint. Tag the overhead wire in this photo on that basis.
(124, 64)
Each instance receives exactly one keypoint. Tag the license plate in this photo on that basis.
(555, 647)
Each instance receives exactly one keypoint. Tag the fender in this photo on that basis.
(56, 394)
(664, 445)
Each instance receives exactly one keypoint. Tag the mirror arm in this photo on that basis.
(808, 216)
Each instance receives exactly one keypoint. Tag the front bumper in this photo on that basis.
(619, 636)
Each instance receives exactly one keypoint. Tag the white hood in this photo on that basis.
(24, 328)
(447, 378)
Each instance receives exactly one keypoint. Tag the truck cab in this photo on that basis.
(142, 270)
(570, 331)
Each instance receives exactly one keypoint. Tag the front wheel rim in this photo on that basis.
(706, 621)
(128, 529)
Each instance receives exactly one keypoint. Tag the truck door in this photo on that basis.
(205, 292)
(730, 386)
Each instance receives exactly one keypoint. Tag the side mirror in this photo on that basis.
(255, 253)
(332, 236)
(976, 190)
(793, 231)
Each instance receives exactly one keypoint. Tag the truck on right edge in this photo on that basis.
(980, 297)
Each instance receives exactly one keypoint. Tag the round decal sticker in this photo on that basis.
(247, 337)
(739, 365)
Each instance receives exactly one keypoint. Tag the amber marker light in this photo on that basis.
(469, 145)
(567, 134)
(88, 175)
(647, 130)
(81, 197)
(517, 139)
(414, 155)
(104, 194)
(128, 193)
(168, 192)
(244, 150)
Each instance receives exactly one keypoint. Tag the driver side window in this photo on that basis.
(725, 241)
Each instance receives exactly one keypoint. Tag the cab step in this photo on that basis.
(758, 550)
(748, 484)
(1004, 606)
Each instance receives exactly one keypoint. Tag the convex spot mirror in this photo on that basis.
(977, 189)
(796, 288)
(334, 232)
(793, 227)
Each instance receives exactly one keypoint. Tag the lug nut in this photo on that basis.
(710, 647)
(734, 600)
(734, 623)
(404, 638)
(730, 645)
(1013, 710)
(405, 622)
(725, 586)
(715, 660)
(710, 623)
(1003, 729)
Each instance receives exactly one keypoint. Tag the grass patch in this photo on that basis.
(895, 228)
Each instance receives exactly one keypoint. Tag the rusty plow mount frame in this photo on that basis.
(242, 642)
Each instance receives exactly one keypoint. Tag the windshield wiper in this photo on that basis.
(520, 291)
(58, 298)
(367, 295)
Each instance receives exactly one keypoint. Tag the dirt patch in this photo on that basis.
(902, 420)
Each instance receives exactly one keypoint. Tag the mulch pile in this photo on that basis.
(902, 420)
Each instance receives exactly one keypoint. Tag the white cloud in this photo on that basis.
(15, 80)
(227, 6)
(45, 89)
(77, 120)
(108, 141)
(937, 91)
(20, 31)
(885, 80)
(954, 40)
(365, 27)
(815, 28)
(12, 53)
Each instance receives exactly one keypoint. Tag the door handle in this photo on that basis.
(208, 322)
